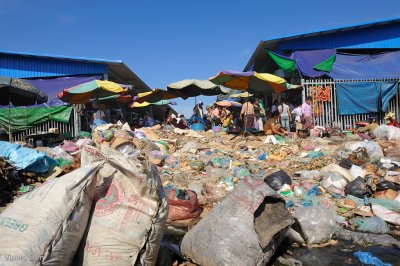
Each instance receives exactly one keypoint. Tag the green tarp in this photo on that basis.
(326, 65)
(288, 65)
(24, 118)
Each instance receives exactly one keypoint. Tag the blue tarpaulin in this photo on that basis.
(25, 158)
(306, 60)
(364, 97)
(378, 66)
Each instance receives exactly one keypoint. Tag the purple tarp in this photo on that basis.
(52, 87)
(306, 60)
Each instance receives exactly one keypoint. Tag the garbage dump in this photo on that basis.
(182, 196)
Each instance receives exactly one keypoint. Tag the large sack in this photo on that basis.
(387, 132)
(129, 215)
(244, 229)
(45, 226)
(374, 150)
(181, 209)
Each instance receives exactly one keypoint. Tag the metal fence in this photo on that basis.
(326, 112)
(73, 126)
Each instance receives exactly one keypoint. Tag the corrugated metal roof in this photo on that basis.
(31, 65)
(19, 66)
(341, 28)
(74, 58)
(385, 36)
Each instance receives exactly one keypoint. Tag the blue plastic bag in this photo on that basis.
(368, 259)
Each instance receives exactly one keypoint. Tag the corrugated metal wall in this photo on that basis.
(18, 66)
(374, 37)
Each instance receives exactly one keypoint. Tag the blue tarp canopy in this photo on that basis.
(346, 66)
(364, 97)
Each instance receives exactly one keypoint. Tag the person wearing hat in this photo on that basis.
(391, 120)
(371, 127)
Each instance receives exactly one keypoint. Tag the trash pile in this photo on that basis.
(163, 195)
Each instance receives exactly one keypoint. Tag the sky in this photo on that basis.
(167, 41)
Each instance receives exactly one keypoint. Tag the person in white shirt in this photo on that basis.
(298, 114)
(285, 115)
(99, 113)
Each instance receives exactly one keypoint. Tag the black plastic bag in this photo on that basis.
(358, 188)
(346, 164)
(278, 179)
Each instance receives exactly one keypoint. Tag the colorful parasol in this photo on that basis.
(227, 103)
(241, 95)
(159, 95)
(195, 87)
(97, 89)
(144, 104)
(252, 82)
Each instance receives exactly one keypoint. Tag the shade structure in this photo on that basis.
(158, 95)
(227, 103)
(144, 104)
(195, 87)
(245, 94)
(97, 89)
(252, 82)
(117, 98)
(18, 92)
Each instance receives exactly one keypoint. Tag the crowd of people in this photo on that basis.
(253, 116)
(280, 119)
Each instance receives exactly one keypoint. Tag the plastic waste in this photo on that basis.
(315, 154)
(190, 146)
(386, 214)
(263, 156)
(84, 134)
(69, 146)
(346, 164)
(366, 239)
(387, 132)
(156, 157)
(372, 225)
(197, 165)
(325, 171)
(128, 150)
(357, 171)
(369, 259)
(358, 188)
(58, 152)
(308, 174)
(317, 223)
(278, 179)
(334, 183)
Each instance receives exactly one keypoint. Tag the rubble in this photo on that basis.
(334, 183)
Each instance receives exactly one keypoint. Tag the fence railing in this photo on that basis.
(326, 112)
(73, 126)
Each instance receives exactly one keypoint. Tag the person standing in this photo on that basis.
(274, 106)
(247, 114)
(285, 115)
(198, 110)
(298, 114)
(307, 113)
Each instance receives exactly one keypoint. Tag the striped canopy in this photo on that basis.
(96, 89)
(252, 82)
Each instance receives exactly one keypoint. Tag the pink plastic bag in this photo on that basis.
(69, 146)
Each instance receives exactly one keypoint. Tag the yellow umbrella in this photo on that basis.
(241, 95)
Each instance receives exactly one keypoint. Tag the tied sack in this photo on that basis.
(244, 229)
(45, 226)
(129, 214)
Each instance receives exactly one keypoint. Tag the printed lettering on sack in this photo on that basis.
(92, 151)
(110, 199)
(98, 251)
(7, 222)
(134, 215)
(248, 199)
(13, 258)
